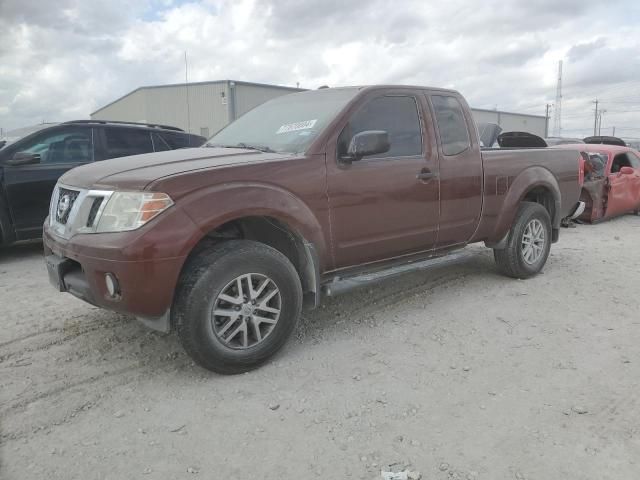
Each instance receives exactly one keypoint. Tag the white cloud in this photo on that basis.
(62, 63)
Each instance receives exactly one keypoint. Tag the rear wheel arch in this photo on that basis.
(549, 199)
(536, 185)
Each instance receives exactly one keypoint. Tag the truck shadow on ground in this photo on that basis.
(19, 252)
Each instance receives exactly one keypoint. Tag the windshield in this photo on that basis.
(285, 124)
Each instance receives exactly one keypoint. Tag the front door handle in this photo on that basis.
(426, 174)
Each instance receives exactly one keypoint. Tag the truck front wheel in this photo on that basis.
(528, 243)
(237, 305)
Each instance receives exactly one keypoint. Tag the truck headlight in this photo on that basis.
(130, 210)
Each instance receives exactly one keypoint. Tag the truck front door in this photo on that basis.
(460, 170)
(385, 205)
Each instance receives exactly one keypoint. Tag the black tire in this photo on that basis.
(206, 276)
(511, 260)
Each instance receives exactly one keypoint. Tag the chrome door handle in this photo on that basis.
(426, 174)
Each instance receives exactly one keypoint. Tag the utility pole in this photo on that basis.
(546, 123)
(602, 112)
(595, 121)
(613, 134)
(557, 117)
(186, 87)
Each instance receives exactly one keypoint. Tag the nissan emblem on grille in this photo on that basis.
(63, 205)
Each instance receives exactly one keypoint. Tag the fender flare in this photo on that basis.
(526, 181)
(214, 206)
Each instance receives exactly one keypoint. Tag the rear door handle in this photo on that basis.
(426, 174)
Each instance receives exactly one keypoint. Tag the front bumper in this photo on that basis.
(146, 263)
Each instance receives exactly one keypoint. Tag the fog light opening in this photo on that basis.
(112, 285)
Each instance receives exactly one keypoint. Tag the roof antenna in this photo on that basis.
(186, 86)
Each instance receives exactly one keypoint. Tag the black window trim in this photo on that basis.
(429, 96)
(403, 157)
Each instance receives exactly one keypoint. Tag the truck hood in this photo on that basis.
(138, 171)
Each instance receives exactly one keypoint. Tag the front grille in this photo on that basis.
(95, 207)
(66, 199)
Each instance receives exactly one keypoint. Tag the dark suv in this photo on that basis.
(31, 166)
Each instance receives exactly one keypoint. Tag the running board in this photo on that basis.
(339, 285)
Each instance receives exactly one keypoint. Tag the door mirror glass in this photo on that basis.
(24, 158)
(370, 142)
(627, 171)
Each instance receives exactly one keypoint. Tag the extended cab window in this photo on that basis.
(452, 126)
(122, 142)
(63, 145)
(396, 115)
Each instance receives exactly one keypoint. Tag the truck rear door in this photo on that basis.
(460, 169)
(384, 205)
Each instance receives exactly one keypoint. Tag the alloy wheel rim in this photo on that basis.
(533, 242)
(246, 311)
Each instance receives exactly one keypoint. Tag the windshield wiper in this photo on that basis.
(260, 148)
(245, 146)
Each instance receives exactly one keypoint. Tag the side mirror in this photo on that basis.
(24, 158)
(368, 143)
(627, 171)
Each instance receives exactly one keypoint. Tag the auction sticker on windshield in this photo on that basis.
(293, 127)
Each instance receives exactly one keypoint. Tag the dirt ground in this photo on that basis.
(458, 374)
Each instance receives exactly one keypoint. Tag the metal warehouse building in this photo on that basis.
(204, 108)
(513, 122)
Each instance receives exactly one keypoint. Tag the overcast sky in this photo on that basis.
(62, 60)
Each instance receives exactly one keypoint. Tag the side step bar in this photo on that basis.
(339, 285)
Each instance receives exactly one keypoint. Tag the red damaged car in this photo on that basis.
(612, 181)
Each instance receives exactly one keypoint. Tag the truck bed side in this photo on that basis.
(513, 175)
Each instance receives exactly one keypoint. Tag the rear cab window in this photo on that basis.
(452, 126)
(395, 114)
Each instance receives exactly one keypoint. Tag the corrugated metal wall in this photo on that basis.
(131, 108)
(207, 108)
(512, 121)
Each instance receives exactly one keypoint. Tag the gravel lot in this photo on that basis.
(458, 374)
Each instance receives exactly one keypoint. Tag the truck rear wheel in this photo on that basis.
(236, 305)
(528, 243)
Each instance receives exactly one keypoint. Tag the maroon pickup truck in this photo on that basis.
(304, 196)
